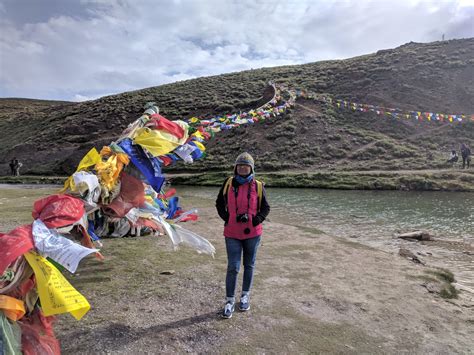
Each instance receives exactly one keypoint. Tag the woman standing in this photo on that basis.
(243, 206)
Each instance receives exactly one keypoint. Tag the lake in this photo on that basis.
(369, 217)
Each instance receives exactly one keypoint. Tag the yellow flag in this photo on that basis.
(109, 171)
(198, 134)
(150, 200)
(159, 142)
(90, 159)
(55, 292)
(201, 146)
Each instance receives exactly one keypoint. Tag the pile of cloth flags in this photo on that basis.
(116, 192)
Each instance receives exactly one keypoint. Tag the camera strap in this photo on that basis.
(248, 198)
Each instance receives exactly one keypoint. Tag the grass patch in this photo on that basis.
(443, 275)
(449, 291)
(446, 278)
(132, 268)
(424, 278)
(345, 180)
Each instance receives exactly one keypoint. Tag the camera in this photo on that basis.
(242, 218)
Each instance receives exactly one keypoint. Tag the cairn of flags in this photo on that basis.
(116, 192)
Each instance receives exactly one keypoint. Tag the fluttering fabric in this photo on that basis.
(109, 168)
(159, 142)
(148, 166)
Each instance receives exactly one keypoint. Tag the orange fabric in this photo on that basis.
(166, 160)
(144, 222)
(13, 308)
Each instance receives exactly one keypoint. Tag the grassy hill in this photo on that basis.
(50, 137)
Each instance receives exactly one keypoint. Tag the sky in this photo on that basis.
(78, 50)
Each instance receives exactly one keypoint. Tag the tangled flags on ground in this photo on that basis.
(115, 192)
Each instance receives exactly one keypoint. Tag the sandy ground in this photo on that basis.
(313, 293)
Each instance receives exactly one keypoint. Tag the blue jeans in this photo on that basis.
(234, 255)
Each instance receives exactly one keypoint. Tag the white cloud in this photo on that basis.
(81, 98)
(107, 46)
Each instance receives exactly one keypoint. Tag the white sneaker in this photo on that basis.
(228, 310)
(244, 302)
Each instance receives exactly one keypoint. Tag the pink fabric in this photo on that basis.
(57, 211)
(14, 244)
(235, 229)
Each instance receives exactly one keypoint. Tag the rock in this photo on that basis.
(418, 235)
(409, 255)
(432, 287)
(167, 272)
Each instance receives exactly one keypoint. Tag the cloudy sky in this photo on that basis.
(82, 49)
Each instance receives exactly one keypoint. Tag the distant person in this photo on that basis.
(16, 167)
(12, 166)
(243, 206)
(453, 157)
(466, 155)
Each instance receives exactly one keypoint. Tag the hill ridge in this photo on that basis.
(51, 138)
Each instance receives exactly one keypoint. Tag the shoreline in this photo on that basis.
(327, 286)
(406, 180)
(313, 292)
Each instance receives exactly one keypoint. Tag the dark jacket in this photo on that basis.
(465, 152)
(221, 205)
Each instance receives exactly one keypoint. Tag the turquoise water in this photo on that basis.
(448, 214)
(375, 217)
(370, 217)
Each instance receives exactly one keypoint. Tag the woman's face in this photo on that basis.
(243, 170)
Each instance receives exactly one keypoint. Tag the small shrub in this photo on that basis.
(443, 275)
(449, 291)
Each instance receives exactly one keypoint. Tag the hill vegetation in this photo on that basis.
(50, 137)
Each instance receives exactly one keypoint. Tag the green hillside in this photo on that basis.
(51, 137)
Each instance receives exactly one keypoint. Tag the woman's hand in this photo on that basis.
(256, 220)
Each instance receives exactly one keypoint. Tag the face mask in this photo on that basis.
(242, 180)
